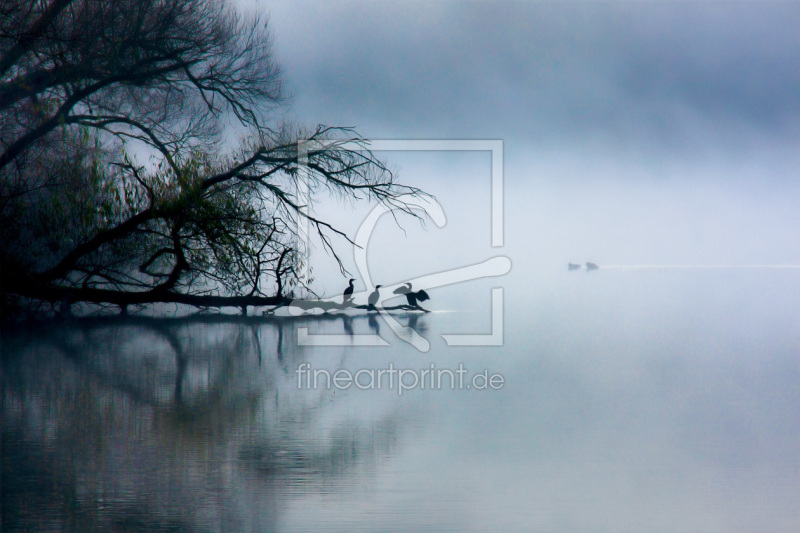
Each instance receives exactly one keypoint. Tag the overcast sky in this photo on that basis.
(638, 131)
(618, 72)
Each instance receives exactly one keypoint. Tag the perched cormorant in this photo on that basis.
(348, 292)
(573, 266)
(412, 296)
(591, 266)
(374, 297)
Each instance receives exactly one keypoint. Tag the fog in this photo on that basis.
(634, 133)
(657, 140)
(545, 72)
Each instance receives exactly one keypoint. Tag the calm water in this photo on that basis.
(632, 401)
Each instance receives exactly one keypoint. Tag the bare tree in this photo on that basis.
(118, 182)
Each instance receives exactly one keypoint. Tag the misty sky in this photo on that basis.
(635, 132)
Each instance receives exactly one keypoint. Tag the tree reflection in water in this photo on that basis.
(195, 424)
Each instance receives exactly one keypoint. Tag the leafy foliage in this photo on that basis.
(118, 182)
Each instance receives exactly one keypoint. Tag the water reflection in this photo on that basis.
(630, 401)
(153, 426)
(374, 325)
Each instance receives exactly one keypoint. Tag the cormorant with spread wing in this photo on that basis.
(413, 296)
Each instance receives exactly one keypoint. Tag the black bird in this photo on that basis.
(412, 296)
(348, 292)
(591, 266)
(573, 266)
(374, 297)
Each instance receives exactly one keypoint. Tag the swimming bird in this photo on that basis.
(374, 297)
(412, 296)
(573, 266)
(591, 266)
(348, 292)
